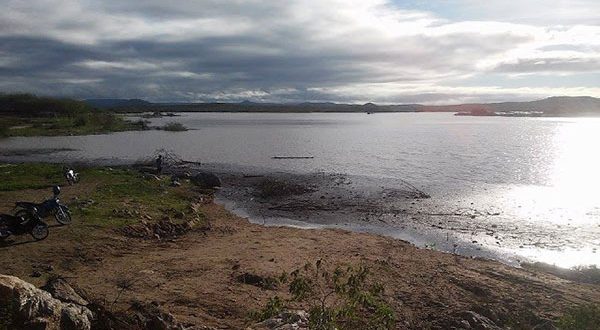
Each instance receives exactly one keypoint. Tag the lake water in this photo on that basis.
(541, 174)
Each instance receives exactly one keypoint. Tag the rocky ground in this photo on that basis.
(197, 274)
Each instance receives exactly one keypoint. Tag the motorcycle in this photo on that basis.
(71, 176)
(49, 207)
(18, 225)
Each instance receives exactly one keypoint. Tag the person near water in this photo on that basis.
(159, 161)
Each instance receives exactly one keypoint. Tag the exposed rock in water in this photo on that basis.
(206, 180)
(287, 320)
(23, 306)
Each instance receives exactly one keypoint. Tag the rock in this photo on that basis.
(287, 320)
(152, 177)
(206, 180)
(61, 290)
(150, 316)
(264, 282)
(27, 307)
(545, 325)
(478, 321)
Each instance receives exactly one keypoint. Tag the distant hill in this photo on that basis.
(552, 106)
(29, 105)
(117, 103)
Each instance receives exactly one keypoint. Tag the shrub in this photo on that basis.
(585, 317)
(174, 127)
(344, 298)
(80, 120)
(273, 307)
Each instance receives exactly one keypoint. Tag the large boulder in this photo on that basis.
(205, 180)
(23, 306)
(61, 290)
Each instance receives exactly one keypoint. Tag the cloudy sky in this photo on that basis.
(383, 51)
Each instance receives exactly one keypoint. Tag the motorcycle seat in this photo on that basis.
(26, 205)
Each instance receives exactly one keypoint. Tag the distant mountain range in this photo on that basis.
(116, 103)
(552, 106)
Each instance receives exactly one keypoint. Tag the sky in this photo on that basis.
(345, 51)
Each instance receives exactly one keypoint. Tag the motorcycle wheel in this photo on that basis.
(62, 216)
(40, 231)
(4, 232)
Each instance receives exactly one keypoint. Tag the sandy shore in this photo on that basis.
(195, 276)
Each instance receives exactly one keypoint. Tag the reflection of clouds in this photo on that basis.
(330, 50)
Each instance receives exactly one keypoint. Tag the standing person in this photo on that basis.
(159, 161)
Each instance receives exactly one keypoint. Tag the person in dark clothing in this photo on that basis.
(159, 162)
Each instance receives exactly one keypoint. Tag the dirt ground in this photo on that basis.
(194, 277)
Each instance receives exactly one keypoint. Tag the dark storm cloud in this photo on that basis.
(261, 50)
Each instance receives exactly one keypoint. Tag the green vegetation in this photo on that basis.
(344, 298)
(124, 196)
(105, 197)
(174, 127)
(585, 317)
(29, 176)
(583, 274)
(29, 115)
(273, 307)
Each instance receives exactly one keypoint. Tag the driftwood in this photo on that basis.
(292, 157)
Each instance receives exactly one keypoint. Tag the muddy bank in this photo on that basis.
(389, 207)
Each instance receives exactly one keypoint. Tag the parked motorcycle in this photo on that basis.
(71, 176)
(49, 207)
(18, 225)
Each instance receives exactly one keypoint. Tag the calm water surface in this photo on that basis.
(541, 174)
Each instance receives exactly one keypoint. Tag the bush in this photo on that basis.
(174, 127)
(344, 298)
(274, 307)
(80, 120)
(585, 317)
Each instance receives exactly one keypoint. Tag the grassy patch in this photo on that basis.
(105, 197)
(124, 197)
(29, 176)
(84, 123)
